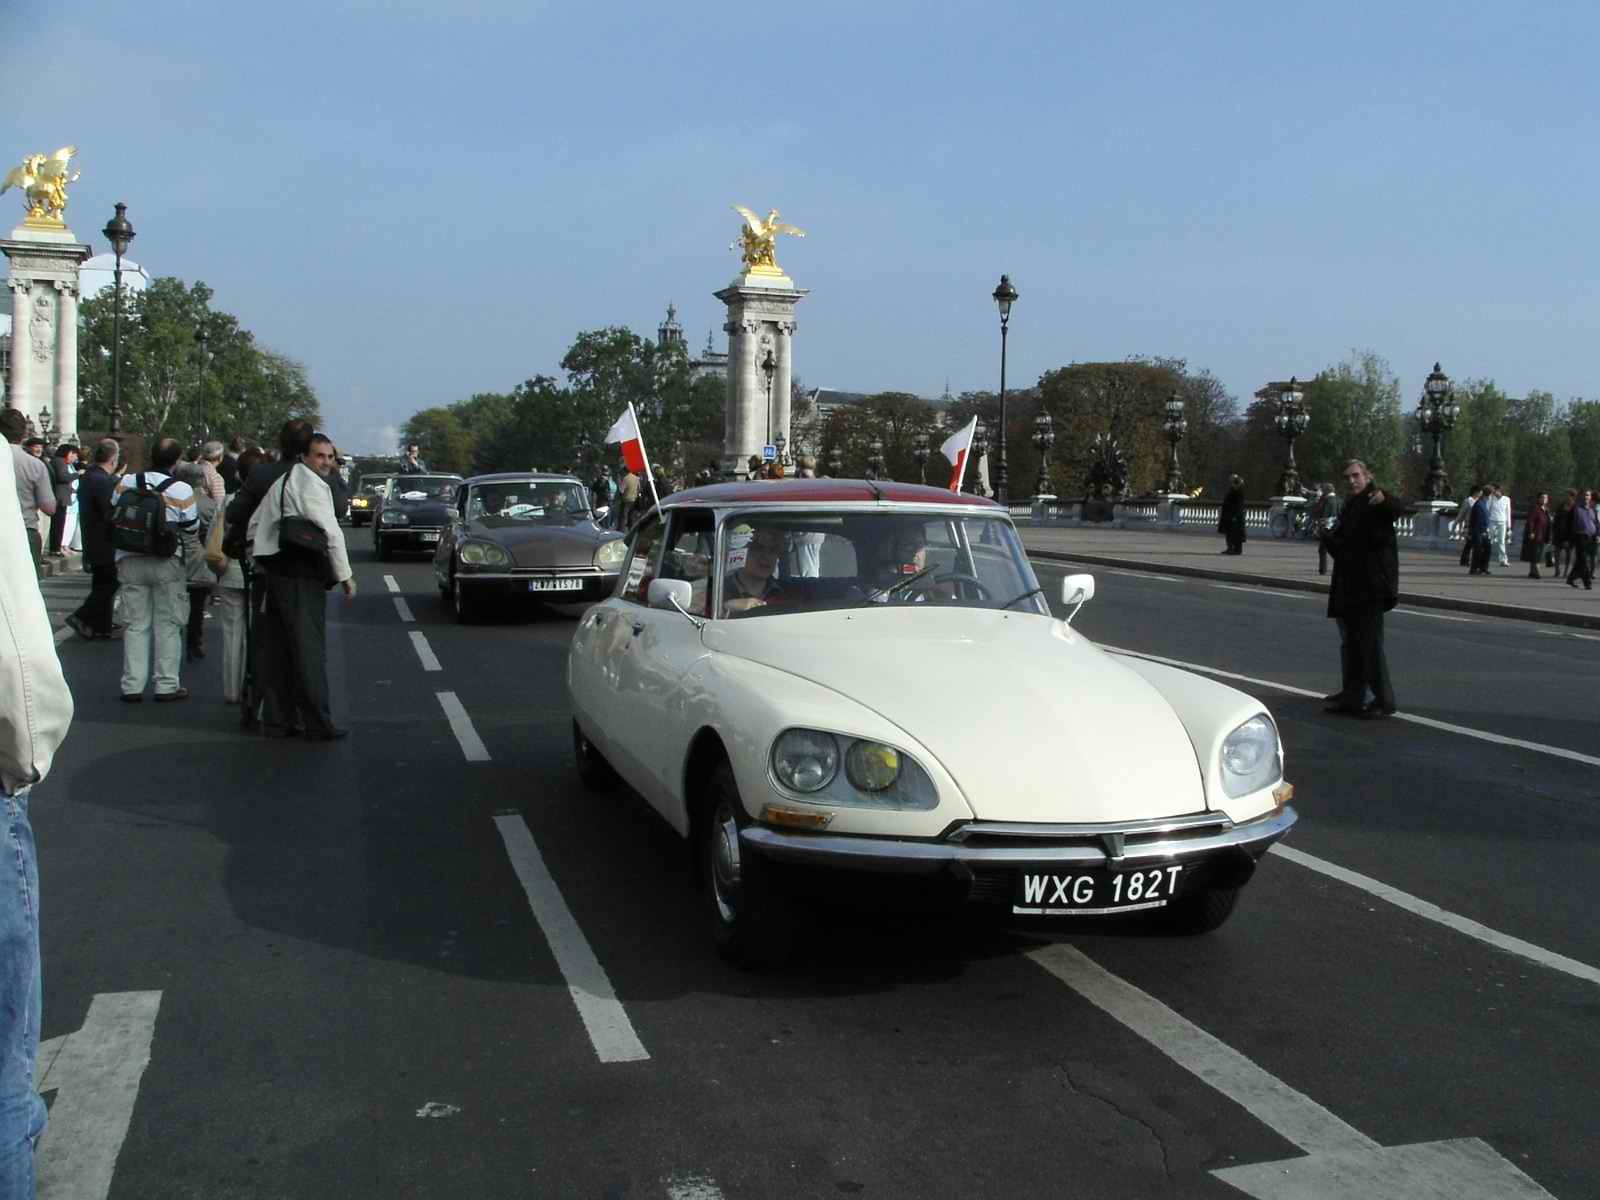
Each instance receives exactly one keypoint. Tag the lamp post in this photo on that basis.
(782, 444)
(980, 447)
(1436, 414)
(920, 453)
(202, 342)
(769, 365)
(1044, 436)
(119, 233)
(875, 459)
(1174, 425)
(1292, 420)
(1004, 297)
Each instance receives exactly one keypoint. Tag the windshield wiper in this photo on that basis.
(1030, 592)
(904, 583)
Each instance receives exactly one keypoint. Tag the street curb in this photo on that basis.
(1481, 608)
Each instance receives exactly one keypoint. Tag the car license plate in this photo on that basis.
(555, 585)
(1094, 893)
(431, 535)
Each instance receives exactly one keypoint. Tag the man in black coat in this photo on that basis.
(95, 500)
(1365, 585)
(1230, 519)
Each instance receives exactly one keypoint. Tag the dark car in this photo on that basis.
(367, 498)
(526, 534)
(415, 512)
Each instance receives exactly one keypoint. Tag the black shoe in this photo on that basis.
(331, 734)
(1572, 583)
(172, 697)
(132, 698)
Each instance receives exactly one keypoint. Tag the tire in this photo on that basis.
(1201, 912)
(752, 924)
(465, 610)
(377, 548)
(593, 770)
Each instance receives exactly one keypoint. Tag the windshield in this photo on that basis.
(371, 485)
(424, 487)
(551, 500)
(795, 562)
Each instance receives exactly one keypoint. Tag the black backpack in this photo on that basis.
(139, 520)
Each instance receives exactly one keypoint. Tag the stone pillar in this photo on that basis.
(757, 305)
(64, 412)
(21, 390)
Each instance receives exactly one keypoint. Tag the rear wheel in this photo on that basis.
(593, 770)
(751, 922)
(1201, 912)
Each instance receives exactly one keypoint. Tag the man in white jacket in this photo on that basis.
(291, 655)
(1499, 524)
(35, 711)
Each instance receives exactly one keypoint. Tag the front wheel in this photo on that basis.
(464, 608)
(378, 548)
(751, 924)
(1202, 911)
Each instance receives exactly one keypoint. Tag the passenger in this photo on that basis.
(754, 584)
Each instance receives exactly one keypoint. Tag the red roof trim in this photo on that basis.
(824, 491)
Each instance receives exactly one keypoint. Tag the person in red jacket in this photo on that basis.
(1536, 535)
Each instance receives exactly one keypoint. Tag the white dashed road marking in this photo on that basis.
(401, 607)
(1266, 591)
(419, 642)
(1432, 912)
(461, 725)
(602, 1013)
(391, 583)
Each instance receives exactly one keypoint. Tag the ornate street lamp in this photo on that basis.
(1292, 420)
(1174, 425)
(875, 459)
(980, 447)
(835, 461)
(1437, 411)
(919, 452)
(768, 365)
(1004, 297)
(119, 233)
(46, 430)
(782, 443)
(1044, 436)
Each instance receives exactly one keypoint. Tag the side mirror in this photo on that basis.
(1076, 591)
(669, 593)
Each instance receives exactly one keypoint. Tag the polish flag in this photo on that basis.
(626, 431)
(956, 450)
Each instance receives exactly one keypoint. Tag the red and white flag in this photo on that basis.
(626, 431)
(956, 449)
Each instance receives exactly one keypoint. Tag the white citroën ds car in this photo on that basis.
(786, 673)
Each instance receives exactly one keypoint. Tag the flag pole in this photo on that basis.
(649, 474)
(966, 455)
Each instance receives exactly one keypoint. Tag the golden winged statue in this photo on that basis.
(43, 179)
(757, 240)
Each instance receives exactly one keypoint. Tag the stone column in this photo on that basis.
(21, 345)
(781, 385)
(732, 431)
(64, 410)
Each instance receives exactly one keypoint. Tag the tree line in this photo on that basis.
(176, 385)
(1528, 444)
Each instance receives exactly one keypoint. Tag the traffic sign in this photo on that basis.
(769, 453)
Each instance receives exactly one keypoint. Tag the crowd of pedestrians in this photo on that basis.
(1563, 540)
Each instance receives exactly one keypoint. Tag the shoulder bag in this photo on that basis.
(299, 532)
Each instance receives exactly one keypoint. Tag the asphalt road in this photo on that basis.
(356, 997)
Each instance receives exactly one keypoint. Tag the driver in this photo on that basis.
(753, 584)
(903, 557)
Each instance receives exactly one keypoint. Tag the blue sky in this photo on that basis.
(420, 201)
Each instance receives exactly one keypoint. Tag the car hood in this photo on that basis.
(538, 544)
(1032, 721)
(422, 512)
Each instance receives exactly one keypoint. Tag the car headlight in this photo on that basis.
(805, 759)
(390, 517)
(484, 554)
(609, 556)
(360, 502)
(1250, 757)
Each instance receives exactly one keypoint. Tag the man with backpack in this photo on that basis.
(154, 521)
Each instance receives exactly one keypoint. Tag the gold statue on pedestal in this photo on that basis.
(758, 240)
(43, 179)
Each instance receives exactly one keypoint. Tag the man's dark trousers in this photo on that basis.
(95, 612)
(1362, 661)
(291, 653)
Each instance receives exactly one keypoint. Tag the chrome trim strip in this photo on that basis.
(533, 575)
(1048, 831)
(909, 857)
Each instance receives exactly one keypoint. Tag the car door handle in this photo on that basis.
(638, 628)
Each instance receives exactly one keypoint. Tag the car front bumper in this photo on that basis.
(409, 537)
(591, 585)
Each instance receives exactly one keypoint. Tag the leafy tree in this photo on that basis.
(1543, 450)
(1582, 423)
(443, 441)
(1355, 413)
(1123, 400)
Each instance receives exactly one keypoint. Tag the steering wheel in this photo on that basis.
(979, 587)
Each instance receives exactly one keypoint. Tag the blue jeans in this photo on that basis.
(22, 1111)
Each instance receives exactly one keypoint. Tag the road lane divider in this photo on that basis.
(603, 1016)
(1340, 1162)
(461, 725)
(404, 609)
(1429, 911)
(1266, 591)
(419, 643)
(1417, 612)
(1482, 735)
(393, 584)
